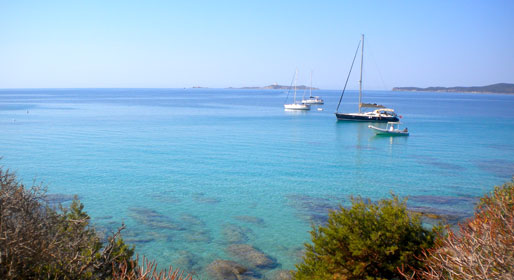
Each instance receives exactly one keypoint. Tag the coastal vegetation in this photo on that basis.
(384, 240)
(367, 240)
(495, 88)
(43, 241)
(483, 247)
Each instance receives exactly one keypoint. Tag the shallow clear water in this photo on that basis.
(191, 171)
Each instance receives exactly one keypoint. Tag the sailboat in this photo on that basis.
(295, 105)
(313, 100)
(379, 114)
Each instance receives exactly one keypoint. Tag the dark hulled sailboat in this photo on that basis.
(379, 114)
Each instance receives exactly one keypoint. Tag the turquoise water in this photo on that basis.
(192, 171)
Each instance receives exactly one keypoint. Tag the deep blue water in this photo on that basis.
(190, 171)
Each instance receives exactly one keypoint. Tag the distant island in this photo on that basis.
(496, 88)
(276, 86)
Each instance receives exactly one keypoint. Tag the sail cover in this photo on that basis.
(371, 105)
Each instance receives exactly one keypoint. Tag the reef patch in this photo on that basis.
(153, 219)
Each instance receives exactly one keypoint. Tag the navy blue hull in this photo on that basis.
(348, 117)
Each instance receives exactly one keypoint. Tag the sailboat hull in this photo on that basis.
(365, 118)
(297, 106)
(313, 101)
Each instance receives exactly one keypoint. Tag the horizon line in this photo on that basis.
(194, 87)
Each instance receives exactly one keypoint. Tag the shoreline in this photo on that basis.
(460, 92)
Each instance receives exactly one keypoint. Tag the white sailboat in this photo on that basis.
(313, 100)
(295, 105)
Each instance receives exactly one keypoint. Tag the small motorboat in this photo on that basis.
(392, 129)
(314, 100)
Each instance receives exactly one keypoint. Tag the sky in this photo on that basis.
(176, 44)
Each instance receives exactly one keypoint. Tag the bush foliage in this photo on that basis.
(147, 270)
(367, 241)
(484, 247)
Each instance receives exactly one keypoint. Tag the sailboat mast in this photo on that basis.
(360, 81)
(295, 77)
(311, 85)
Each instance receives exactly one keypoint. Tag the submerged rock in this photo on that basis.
(191, 220)
(165, 198)
(201, 235)
(446, 166)
(201, 198)
(434, 215)
(226, 270)
(443, 200)
(318, 219)
(250, 219)
(247, 254)
(153, 219)
(139, 240)
(107, 217)
(188, 262)
(234, 233)
(57, 198)
(499, 167)
(137, 237)
(282, 275)
(312, 209)
(140, 237)
(160, 235)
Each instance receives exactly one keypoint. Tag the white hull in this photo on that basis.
(313, 101)
(296, 106)
(383, 131)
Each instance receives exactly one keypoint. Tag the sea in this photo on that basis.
(191, 172)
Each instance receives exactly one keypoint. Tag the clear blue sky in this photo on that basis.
(248, 43)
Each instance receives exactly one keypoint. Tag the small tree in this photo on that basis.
(484, 247)
(367, 241)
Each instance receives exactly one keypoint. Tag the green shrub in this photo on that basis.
(367, 241)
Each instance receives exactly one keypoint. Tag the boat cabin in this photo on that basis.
(395, 126)
(385, 111)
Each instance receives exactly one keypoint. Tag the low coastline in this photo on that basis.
(500, 88)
